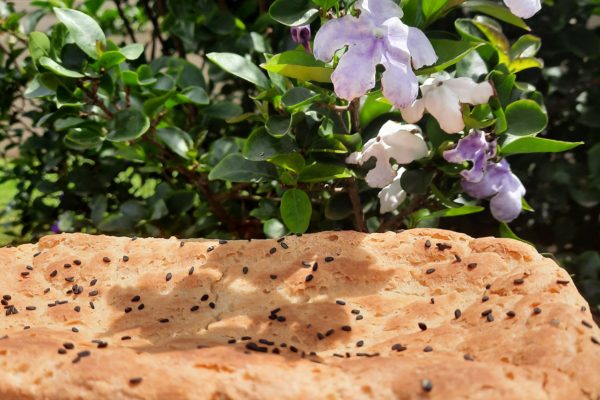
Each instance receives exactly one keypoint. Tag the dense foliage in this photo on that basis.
(215, 119)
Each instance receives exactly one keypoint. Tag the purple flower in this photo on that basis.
(301, 35)
(54, 228)
(475, 149)
(487, 178)
(504, 188)
(524, 8)
(377, 36)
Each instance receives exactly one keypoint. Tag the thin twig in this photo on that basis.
(354, 115)
(125, 21)
(398, 220)
(155, 24)
(95, 100)
(359, 217)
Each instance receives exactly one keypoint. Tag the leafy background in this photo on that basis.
(156, 148)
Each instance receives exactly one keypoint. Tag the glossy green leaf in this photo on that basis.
(449, 52)
(85, 137)
(261, 146)
(84, 30)
(453, 212)
(537, 145)
(296, 210)
(111, 58)
(39, 45)
(240, 67)
(495, 10)
(58, 69)
(179, 141)
(235, 168)
(132, 51)
(196, 95)
(128, 124)
(320, 172)
(298, 97)
(279, 125)
(298, 64)
(292, 161)
(293, 13)
(525, 117)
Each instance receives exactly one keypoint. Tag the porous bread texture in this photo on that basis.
(206, 327)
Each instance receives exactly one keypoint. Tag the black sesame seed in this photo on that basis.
(93, 293)
(68, 346)
(204, 297)
(519, 281)
(537, 310)
(25, 273)
(37, 254)
(275, 351)
(281, 239)
(468, 357)
(77, 262)
(511, 314)
(432, 300)
(306, 264)
(7, 297)
(77, 308)
(30, 268)
(125, 337)
(346, 328)
(273, 250)
(62, 351)
(245, 270)
(284, 245)
(53, 273)
(246, 337)
(457, 258)
(355, 311)
(168, 277)
(426, 385)
(359, 317)
(194, 308)
(125, 258)
(163, 320)
(427, 244)
(320, 336)
(84, 353)
(457, 313)
(191, 271)
(281, 318)
(265, 341)
(422, 326)
(562, 282)
(443, 246)
(275, 310)
(210, 248)
(135, 298)
(586, 324)
(254, 347)
(141, 306)
(70, 279)
(127, 310)
(92, 306)
(93, 282)
(106, 259)
(329, 259)
(472, 266)
(273, 276)
(583, 309)
(485, 298)
(595, 341)
(76, 360)
(4, 302)
(398, 347)
(428, 349)
(315, 267)
(222, 241)
(430, 271)
(490, 317)
(231, 341)
(135, 381)
(329, 332)
(46, 290)
(212, 305)
(293, 349)
(486, 313)
(308, 278)
(67, 265)
(360, 343)
(340, 302)
(102, 344)
(74, 329)
(32, 308)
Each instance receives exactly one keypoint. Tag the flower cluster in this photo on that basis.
(377, 36)
(488, 178)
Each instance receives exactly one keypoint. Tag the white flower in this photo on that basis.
(524, 8)
(442, 98)
(401, 142)
(391, 196)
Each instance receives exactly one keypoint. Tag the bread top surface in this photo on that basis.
(328, 315)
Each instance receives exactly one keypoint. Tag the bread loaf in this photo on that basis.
(336, 315)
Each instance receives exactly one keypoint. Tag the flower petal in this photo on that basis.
(444, 105)
(383, 173)
(469, 91)
(336, 34)
(507, 204)
(400, 84)
(355, 73)
(405, 145)
(391, 196)
(396, 39)
(473, 148)
(524, 8)
(414, 112)
(492, 181)
(379, 10)
(420, 48)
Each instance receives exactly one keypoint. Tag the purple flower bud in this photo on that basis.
(54, 228)
(301, 35)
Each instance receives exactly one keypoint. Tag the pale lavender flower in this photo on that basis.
(377, 36)
(524, 8)
(54, 228)
(504, 188)
(301, 35)
(475, 149)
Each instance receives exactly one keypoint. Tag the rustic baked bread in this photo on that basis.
(336, 315)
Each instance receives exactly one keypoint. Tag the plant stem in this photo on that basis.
(125, 21)
(357, 209)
